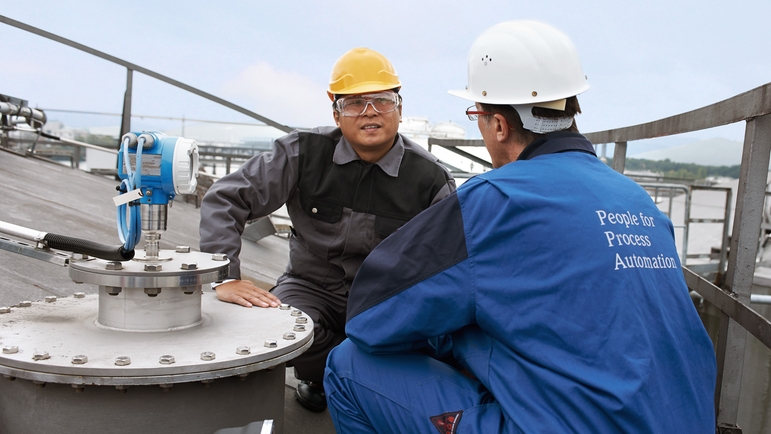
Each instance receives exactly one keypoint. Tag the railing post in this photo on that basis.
(619, 157)
(741, 266)
(125, 123)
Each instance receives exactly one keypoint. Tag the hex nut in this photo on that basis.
(299, 328)
(50, 299)
(183, 249)
(80, 359)
(10, 349)
(25, 303)
(284, 306)
(190, 266)
(152, 292)
(208, 356)
(219, 257)
(153, 267)
(244, 350)
(40, 355)
(5, 309)
(113, 265)
(166, 359)
(113, 290)
(80, 295)
(122, 361)
(301, 320)
(297, 312)
(289, 336)
(271, 343)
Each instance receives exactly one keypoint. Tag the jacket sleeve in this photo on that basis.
(416, 285)
(259, 187)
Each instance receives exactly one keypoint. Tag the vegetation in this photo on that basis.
(670, 169)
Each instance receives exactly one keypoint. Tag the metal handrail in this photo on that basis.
(131, 67)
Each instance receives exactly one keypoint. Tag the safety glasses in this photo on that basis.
(356, 105)
(473, 114)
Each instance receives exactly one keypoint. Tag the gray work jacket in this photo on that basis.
(341, 207)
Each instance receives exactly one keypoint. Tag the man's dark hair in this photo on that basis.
(572, 108)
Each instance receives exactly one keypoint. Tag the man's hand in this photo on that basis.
(246, 294)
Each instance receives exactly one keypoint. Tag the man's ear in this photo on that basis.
(501, 127)
(336, 115)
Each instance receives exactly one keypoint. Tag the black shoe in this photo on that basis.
(311, 396)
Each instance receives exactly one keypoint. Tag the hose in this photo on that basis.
(86, 247)
(129, 216)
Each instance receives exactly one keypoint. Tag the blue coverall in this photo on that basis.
(545, 296)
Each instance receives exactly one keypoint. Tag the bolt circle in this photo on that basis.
(10, 349)
(271, 343)
(208, 356)
(243, 350)
(122, 360)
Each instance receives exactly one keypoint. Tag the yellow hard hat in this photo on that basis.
(362, 70)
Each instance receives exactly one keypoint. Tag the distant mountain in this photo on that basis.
(712, 152)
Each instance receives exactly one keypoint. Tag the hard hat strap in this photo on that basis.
(538, 124)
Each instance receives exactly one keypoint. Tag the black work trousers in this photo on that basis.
(327, 310)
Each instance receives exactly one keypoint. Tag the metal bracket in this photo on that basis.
(42, 253)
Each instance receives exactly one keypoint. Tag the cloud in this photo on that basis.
(286, 97)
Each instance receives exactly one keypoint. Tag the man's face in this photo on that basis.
(371, 132)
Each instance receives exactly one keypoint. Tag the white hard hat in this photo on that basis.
(523, 63)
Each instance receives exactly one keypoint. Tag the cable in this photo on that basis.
(129, 215)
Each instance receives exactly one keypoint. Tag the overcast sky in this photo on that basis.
(645, 60)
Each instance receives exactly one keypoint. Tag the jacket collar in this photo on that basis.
(559, 141)
(390, 162)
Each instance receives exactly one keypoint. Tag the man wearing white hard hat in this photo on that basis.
(545, 296)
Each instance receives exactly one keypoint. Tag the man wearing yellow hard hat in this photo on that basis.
(545, 296)
(346, 189)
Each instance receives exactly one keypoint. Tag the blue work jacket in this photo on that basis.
(556, 282)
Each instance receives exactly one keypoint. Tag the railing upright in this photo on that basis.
(741, 266)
